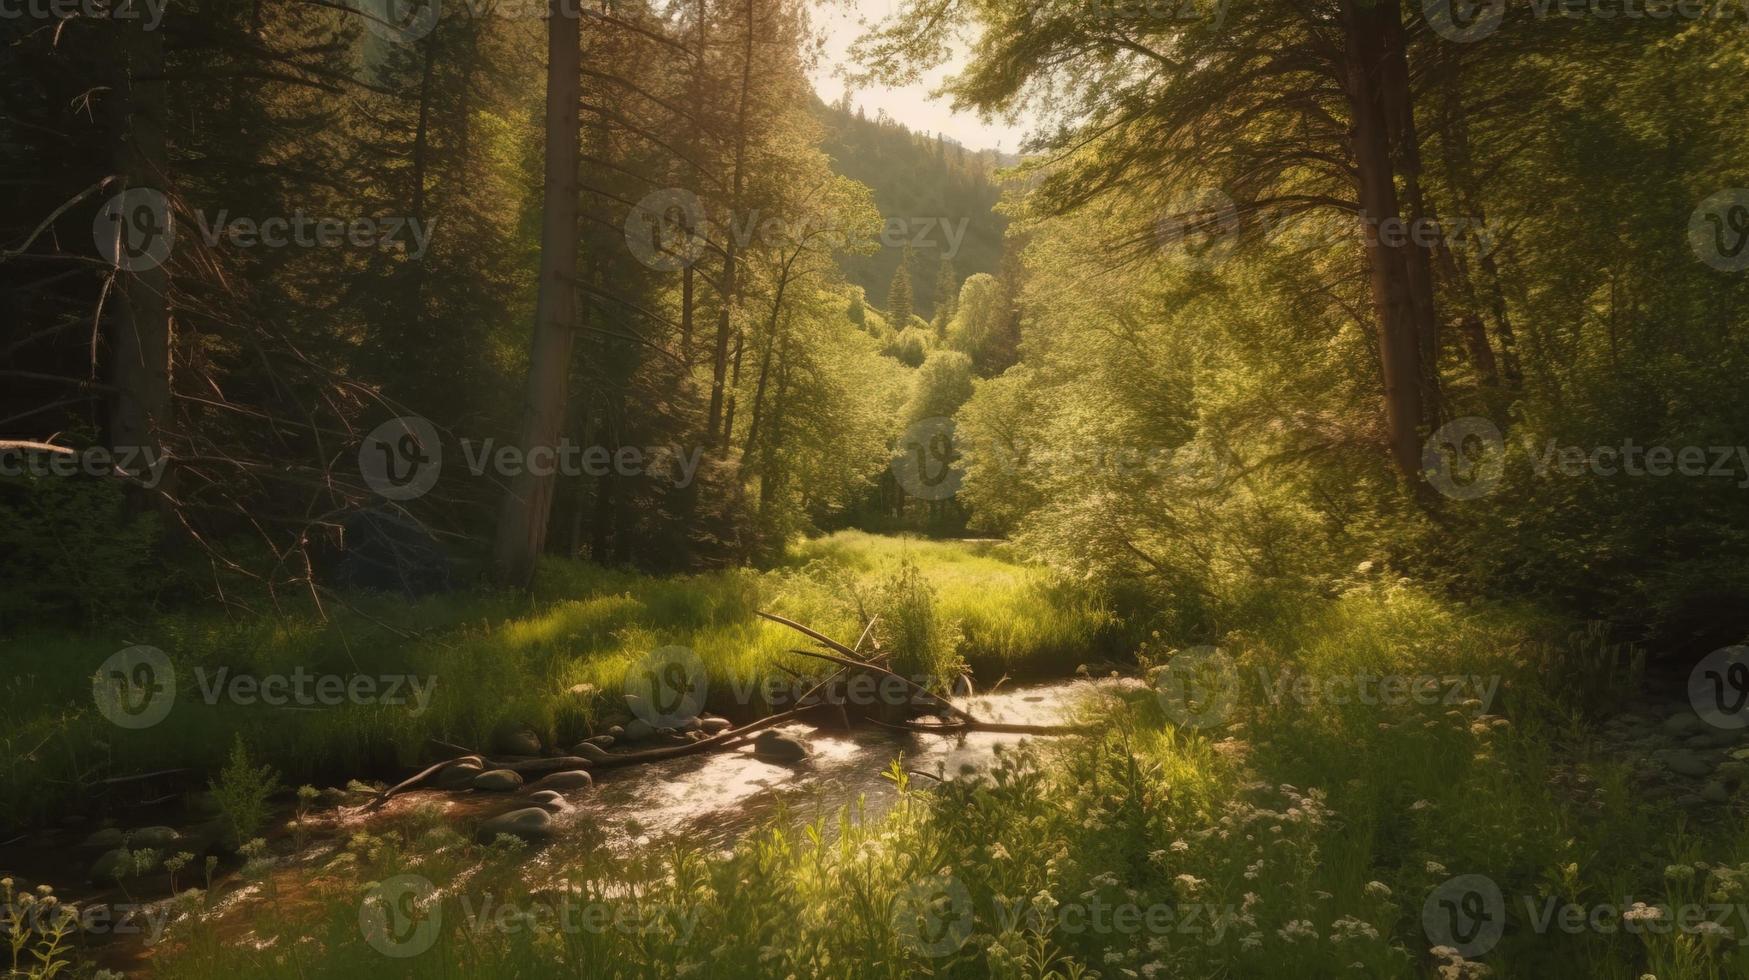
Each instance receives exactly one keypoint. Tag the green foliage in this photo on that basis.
(242, 791)
(72, 550)
(899, 293)
(911, 627)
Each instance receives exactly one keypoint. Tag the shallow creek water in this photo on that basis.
(711, 800)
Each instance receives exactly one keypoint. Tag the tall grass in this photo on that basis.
(555, 661)
(1293, 839)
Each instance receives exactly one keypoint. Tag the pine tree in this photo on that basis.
(899, 294)
(947, 289)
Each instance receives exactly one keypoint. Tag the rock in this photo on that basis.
(569, 779)
(1709, 740)
(1715, 792)
(530, 823)
(605, 741)
(204, 803)
(711, 725)
(389, 551)
(778, 747)
(1684, 723)
(589, 750)
(459, 774)
(1686, 763)
(497, 781)
(550, 799)
(105, 866)
(517, 741)
(616, 731)
(1734, 771)
(107, 838)
(156, 838)
(108, 867)
(638, 729)
(1688, 801)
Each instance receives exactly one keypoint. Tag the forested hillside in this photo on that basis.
(941, 196)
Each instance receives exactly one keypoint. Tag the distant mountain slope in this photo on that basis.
(918, 180)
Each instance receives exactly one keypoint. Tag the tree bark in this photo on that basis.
(142, 329)
(1399, 353)
(1405, 142)
(522, 522)
(720, 358)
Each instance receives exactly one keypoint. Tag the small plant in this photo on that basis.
(242, 791)
(175, 864)
(37, 926)
(911, 628)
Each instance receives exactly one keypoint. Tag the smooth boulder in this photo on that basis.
(497, 781)
(778, 747)
(530, 823)
(569, 779)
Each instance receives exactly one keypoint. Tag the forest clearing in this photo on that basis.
(826, 488)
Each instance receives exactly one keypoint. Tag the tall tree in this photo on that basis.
(899, 299)
(527, 506)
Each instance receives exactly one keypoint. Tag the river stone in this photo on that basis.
(1734, 771)
(107, 838)
(616, 731)
(589, 750)
(1684, 723)
(778, 747)
(518, 741)
(1715, 792)
(497, 781)
(106, 867)
(638, 729)
(551, 799)
(529, 823)
(1687, 763)
(605, 741)
(569, 779)
(458, 775)
(712, 725)
(156, 838)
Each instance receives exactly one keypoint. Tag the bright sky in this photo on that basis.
(910, 105)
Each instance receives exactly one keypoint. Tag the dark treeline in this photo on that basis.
(242, 239)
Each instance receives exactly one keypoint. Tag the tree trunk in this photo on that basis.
(720, 358)
(1393, 82)
(142, 329)
(522, 523)
(1399, 354)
